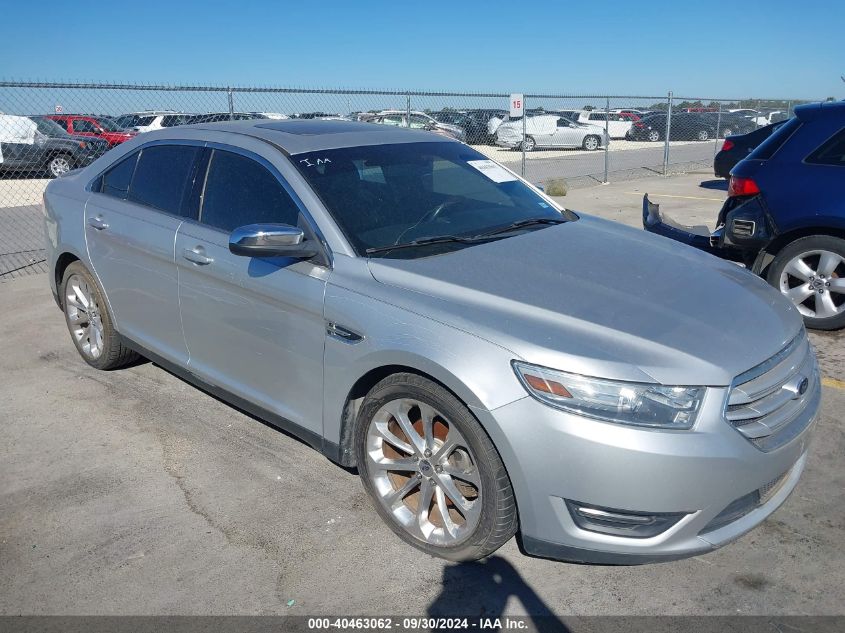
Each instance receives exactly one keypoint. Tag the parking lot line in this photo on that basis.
(666, 195)
(833, 382)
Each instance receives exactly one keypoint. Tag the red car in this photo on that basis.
(99, 127)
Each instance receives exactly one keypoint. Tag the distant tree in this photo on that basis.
(588, 107)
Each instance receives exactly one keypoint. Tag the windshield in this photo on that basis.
(48, 127)
(382, 195)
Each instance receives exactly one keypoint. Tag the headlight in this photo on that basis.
(634, 403)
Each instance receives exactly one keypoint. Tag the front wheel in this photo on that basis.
(528, 144)
(591, 142)
(653, 136)
(810, 272)
(702, 135)
(434, 475)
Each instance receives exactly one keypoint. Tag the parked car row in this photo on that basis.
(39, 144)
(688, 126)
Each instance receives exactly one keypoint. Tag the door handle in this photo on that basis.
(196, 256)
(97, 223)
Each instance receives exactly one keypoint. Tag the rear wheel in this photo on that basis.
(810, 272)
(653, 135)
(59, 165)
(89, 321)
(591, 142)
(727, 132)
(434, 475)
(702, 135)
(529, 144)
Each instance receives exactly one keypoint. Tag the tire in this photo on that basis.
(488, 516)
(528, 144)
(702, 135)
(811, 273)
(59, 164)
(653, 136)
(591, 142)
(92, 331)
(727, 132)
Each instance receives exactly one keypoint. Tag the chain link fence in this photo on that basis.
(570, 140)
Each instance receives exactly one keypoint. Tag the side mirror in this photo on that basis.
(270, 240)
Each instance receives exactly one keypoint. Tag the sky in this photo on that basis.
(739, 48)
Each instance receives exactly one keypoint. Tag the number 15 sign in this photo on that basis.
(517, 105)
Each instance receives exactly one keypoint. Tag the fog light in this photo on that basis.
(621, 522)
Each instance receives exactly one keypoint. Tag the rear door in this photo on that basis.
(253, 326)
(130, 228)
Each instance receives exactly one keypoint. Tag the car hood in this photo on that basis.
(595, 297)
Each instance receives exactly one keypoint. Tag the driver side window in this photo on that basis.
(82, 125)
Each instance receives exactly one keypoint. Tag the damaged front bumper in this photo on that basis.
(743, 230)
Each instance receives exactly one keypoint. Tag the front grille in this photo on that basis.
(766, 403)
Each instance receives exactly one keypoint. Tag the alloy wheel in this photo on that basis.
(815, 282)
(59, 165)
(654, 135)
(591, 143)
(702, 135)
(423, 472)
(528, 144)
(83, 316)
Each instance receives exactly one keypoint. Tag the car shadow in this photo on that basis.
(481, 589)
(717, 183)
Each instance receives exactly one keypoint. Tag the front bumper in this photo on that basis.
(553, 456)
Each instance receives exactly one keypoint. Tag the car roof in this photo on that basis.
(298, 136)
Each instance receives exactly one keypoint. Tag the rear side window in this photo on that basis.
(240, 191)
(832, 152)
(772, 144)
(116, 180)
(164, 176)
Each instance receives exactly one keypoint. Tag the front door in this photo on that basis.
(253, 326)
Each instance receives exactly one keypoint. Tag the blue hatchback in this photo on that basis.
(785, 214)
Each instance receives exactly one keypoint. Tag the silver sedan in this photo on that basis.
(550, 130)
(490, 361)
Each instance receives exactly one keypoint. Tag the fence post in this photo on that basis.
(522, 145)
(668, 132)
(718, 129)
(607, 134)
(788, 108)
(230, 95)
(408, 111)
(757, 118)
